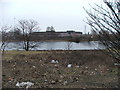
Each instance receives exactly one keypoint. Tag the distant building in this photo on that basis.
(53, 34)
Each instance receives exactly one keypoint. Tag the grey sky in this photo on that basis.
(62, 14)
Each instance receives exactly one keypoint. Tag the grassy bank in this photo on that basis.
(89, 69)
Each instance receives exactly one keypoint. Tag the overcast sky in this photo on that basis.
(62, 14)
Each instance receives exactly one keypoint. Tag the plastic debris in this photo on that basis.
(45, 80)
(54, 61)
(116, 64)
(95, 69)
(69, 65)
(53, 82)
(22, 84)
(65, 82)
(77, 66)
(34, 66)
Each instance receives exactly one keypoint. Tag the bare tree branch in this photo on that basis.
(27, 27)
(106, 23)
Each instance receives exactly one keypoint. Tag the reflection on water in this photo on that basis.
(58, 46)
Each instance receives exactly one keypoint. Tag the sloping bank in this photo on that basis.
(88, 68)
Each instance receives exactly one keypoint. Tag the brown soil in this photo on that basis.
(96, 69)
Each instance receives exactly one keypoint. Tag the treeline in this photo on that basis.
(21, 32)
(24, 31)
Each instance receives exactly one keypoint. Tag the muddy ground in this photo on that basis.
(89, 69)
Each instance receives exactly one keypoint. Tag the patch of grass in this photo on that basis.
(8, 55)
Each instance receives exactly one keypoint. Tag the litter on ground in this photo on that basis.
(22, 84)
(69, 65)
(54, 61)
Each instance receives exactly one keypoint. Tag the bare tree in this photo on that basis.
(105, 21)
(51, 29)
(4, 37)
(17, 35)
(48, 29)
(27, 27)
(69, 45)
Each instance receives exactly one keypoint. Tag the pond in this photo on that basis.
(57, 45)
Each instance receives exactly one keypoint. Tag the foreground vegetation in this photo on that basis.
(89, 69)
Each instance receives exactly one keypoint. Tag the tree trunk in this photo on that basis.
(27, 46)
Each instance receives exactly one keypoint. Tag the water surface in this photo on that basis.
(54, 45)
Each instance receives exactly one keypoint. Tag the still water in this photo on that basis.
(58, 45)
